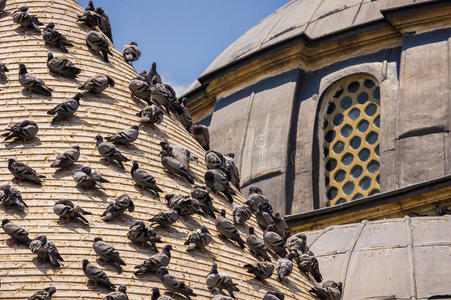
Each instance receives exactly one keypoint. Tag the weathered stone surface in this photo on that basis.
(389, 171)
(303, 193)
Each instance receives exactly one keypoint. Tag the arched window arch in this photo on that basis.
(349, 139)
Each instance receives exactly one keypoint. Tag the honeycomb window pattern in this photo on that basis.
(351, 130)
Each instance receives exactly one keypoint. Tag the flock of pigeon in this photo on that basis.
(222, 176)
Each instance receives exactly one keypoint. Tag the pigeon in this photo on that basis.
(87, 179)
(241, 214)
(284, 267)
(155, 262)
(257, 197)
(131, 52)
(125, 137)
(21, 172)
(144, 180)
(46, 250)
(230, 167)
(120, 294)
(17, 233)
(281, 226)
(199, 239)
(257, 246)
(3, 71)
(97, 84)
(97, 276)
(161, 94)
(140, 89)
(185, 205)
(151, 115)
(219, 295)
(108, 254)
(109, 152)
(140, 234)
(221, 281)
(62, 66)
(182, 113)
(66, 159)
(263, 217)
(54, 38)
(89, 18)
(26, 20)
(261, 270)
(228, 230)
(216, 180)
(32, 83)
(308, 264)
(24, 130)
(174, 167)
(201, 134)
(11, 197)
(174, 285)
(165, 218)
(153, 74)
(442, 210)
(67, 210)
(104, 24)
(330, 291)
(2, 5)
(215, 160)
(97, 42)
(297, 243)
(273, 295)
(274, 241)
(181, 154)
(156, 295)
(90, 6)
(202, 195)
(65, 110)
(117, 207)
(44, 294)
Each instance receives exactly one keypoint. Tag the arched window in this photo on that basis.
(350, 128)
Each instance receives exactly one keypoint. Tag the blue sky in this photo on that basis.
(182, 36)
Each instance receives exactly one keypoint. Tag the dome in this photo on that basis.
(405, 258)
(108, 113)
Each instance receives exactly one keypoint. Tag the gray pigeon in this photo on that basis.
(97, 276)
(256, 245)
(24, 130)
(120, 294)
(139, 88)
(90, 18)
(153, 74)
(274, 241)
(144, 180)
(165, 218)
(66, 159)
(199, 239)
(117, 207)
(17, 233)
(87, 179)
(216, 180)
(174, 167)
(90, 6)
(44, 294)
(241, 214)
(65, 110)
(97, 84)
(261, 270)
(281, 226)
(161, 95)
(26, 20)
(54, 38)
(104, 24)
(21, 172)
(46, 250)
(231, 168)
(62, 66)
(156, 295)
(297, 243)
(109, 152)
(181, 154)
(284, 267)
(218, 294)
(185, 205)
(97, 42)
(11, 197)
(32, 83)
(308, 264)
(67, 210)
(330, 290)
(131, 52)
(140, 234)
(201, 134)
(442, 210)
(257, 197)
(263, 217)
(155, 262)
(182, 113)
(3, 71)
(273, 295)
(214, 160)
(108, 254)
(151, 115)
(173, 284)
(227, 229)
(202, 195)
(2, 5)
(125, 137)
(221, 281)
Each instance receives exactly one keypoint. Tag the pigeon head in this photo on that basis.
(131, 206)
(122, 289)
(251, 230)
(99, 10)
(11, 161)
(162, 271)
(136, 127)
(85, 264)
(5, 221)
(51, 290)
(254, 189)
(6, 188)
(22, 9)
(204, 229)
(78, 96)
(222, 213)
(340, 287)
(155, 293)
(111, 81)
(22, 69)
(290, 255)
(99, 138)
(97, 239)
(154, 67)
(277, 215)
(214, 268)
(168, 197)
(76, 147)
(49, 56)
(42, 238)
(135, 166)
(50, 25)
(133, 43)
(167, 249)
(164, 145)
(87, 170)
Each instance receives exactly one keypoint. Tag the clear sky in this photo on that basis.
(182, 36)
